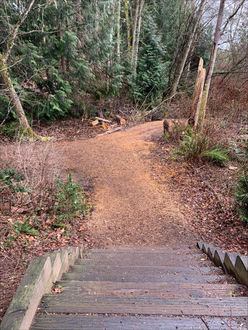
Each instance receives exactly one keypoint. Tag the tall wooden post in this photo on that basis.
(196, 108)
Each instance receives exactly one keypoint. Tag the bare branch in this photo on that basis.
(233, 14)
(15, 30)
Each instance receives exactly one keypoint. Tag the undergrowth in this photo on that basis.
(242, 195)
(198, 146)
(70, 201)
(33, 195)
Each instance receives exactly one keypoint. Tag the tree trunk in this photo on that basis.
(27, 130)
(135, 23)
(187, 49)
(128, 29)
(198, 92)
(136, 44)
(211, 62)
(15, 99)
(118, 42)
(63, 60)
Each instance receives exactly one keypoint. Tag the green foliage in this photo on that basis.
(9, 180)
(60, 60)
(10, 129)
(197, 146)
(242, 194)
(24, 228)
(216, 155)
(4, 107)
(151, 71)
(71, 201)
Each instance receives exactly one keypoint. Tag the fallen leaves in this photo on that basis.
(207, 195)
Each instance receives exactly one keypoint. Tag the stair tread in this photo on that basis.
(74, 303)
(137, 277)
(139, 254)
(152, 249)
(145, 259)
(85, 322)
(166, 289)
(123, 269)
(144, 288)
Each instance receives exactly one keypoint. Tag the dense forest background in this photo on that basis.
(86, 58)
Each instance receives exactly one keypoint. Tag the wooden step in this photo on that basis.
(164, 289)
(145, 259)
(71, 302)
(144, 270)
(151, 249)
(70, 322)
(133, 275)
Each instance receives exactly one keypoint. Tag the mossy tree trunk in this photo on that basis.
(13, 96)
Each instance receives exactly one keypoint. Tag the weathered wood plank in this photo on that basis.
(70, 322)
(103, 268)
(150, 249)
(145, 259)
(126, 276)
(164, 289)
(124, 323)
(74, 303)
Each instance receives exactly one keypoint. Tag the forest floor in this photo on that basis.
(141, 196)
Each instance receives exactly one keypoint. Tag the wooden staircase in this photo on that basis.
(144, 288)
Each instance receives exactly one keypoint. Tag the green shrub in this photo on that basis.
(71, 201)
(24, 228)
(242, 194)
(216, 155)
(198, 146)
(9, 180)
(10, 129)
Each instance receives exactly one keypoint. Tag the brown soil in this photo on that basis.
(131, 206)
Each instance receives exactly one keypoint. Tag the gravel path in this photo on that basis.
(132, 206)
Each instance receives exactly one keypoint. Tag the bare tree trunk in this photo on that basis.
(136, 44)
(62, 59)
(118, 44)
(80, 22)
(135, 23)
(96, 19)
(111, 34)
(179, 71)
(211, 62)
(197, 97)
(128, 29)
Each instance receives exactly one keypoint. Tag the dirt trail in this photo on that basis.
(131, 206)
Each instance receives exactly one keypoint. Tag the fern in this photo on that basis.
(216, 155)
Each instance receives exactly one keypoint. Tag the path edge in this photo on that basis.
(39, 278)
(231, 262)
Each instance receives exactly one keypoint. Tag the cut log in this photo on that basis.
(179, 125)
(94, 122)
(104, 126)
(103, 119)
(120, 120)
